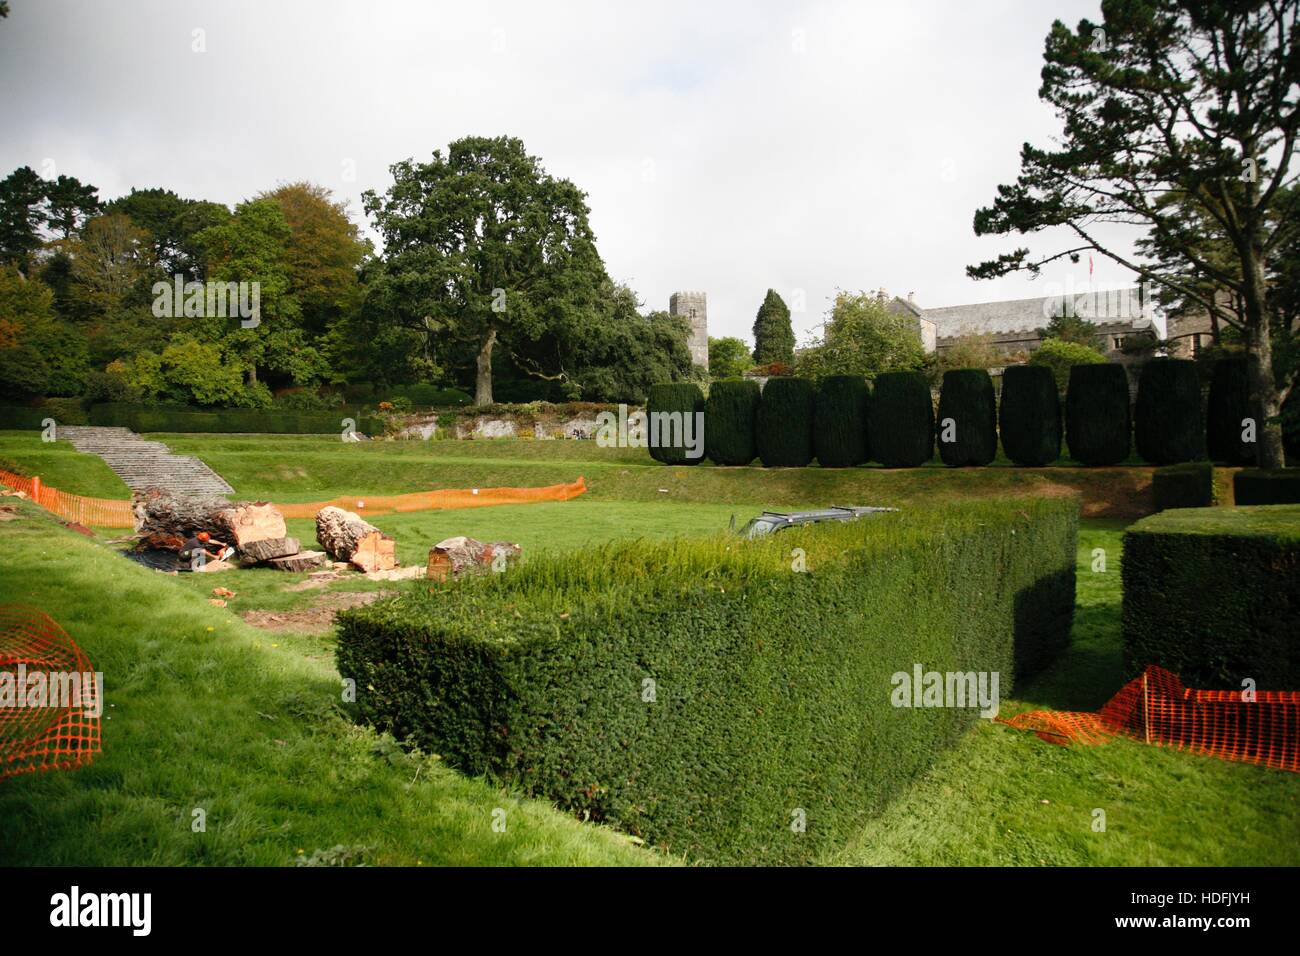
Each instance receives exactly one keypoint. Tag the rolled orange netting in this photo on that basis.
(50, 696)
(1259, 727)
(438, 500)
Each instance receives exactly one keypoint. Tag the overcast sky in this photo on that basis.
(724, 148)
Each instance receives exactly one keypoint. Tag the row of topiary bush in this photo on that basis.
(706, 697)
(842, 423)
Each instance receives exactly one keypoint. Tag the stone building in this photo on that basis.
(694, 307)
(1127, 325)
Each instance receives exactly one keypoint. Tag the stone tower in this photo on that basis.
(694, 306)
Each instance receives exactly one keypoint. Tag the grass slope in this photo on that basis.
(1003, 797)
(59, 465)
(208, 713)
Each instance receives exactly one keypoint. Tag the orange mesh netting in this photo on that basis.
(436, 500)
(100, 512)
(1158, 709)
(108, 513)
(48, 717)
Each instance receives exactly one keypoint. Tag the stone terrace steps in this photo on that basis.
(146, 464)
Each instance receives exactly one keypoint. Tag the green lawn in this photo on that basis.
(212, 713)
(59, 465)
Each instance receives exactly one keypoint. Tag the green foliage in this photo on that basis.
(482, 243)
(682, 400)
(695, 692)
(900, 420)
(273, 421)
(840, 421)
(1262, 486)
(1229, 404)
(1030, 416)
(1210, 593)
(862, 338)
(173, 225)
(965, 351)
(38, 354)
(773, 334)
(1186, 485)
(1070, 329)
(729, 357)
(1167, 423)
(730, 420)
(22, 198)
(968, 415)
(1061, 356)
(785, 423)
(1097, 419)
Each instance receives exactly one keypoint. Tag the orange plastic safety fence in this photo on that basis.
(49, 696)
(436, 500)
(100, 512)
(1260, 727)
(107, 513)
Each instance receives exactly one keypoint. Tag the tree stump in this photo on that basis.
(271, 548)
(302, 561)
(348, 538)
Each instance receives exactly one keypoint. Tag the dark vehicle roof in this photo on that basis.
(833, 513)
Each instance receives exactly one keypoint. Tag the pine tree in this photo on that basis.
(773, 335)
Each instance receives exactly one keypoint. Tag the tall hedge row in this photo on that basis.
(785, 417)
(1097, 421)
(900, 420)
(675, 436)
(705, 698)
(270, 421)
(730, 420)
(1212, 594)
(1167, 425)
(968, 418)
(1030, 416)
(840, 421)
(1227, 407)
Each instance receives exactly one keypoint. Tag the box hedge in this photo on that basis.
(1264, 486)
(968, 415)
(785, 423)
(1213, 594)
(271, 421)
(730, 418)
(1167, 425)
(1227, 407)
(679, 402)
(1188, 485)
(1097, 420)
(1030, 415)
(900, 420)
(840, 421)
(700, 694)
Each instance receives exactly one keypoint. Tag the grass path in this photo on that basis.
(207, 713)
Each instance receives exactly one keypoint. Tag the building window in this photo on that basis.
(1117, 342)
(1196, 344)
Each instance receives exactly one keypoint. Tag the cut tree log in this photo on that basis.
(455, 556)
(270, 548)
(157, 512)
(302, 561)
(348, 538)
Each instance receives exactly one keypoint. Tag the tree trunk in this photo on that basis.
(483, 377)
(347, 538)
(158, 513)
(252, 375)
(1263, 384)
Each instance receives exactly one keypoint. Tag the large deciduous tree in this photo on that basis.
(482, 243)
(862, 337)
(1179, 118)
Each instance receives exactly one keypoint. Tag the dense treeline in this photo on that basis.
(157, 298)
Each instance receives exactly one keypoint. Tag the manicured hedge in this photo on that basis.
(785, 417)
(1189, 485)
(271, 421)
(730, 418)
(681, 401)
(1030, 416)
(967, 400)
(840, 421)
(699, 694)
(900, 421)
(1213, 594)
(23, 417)
(1167, 424)
(1263, 486)
(1229, 404)
(1097, 422)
